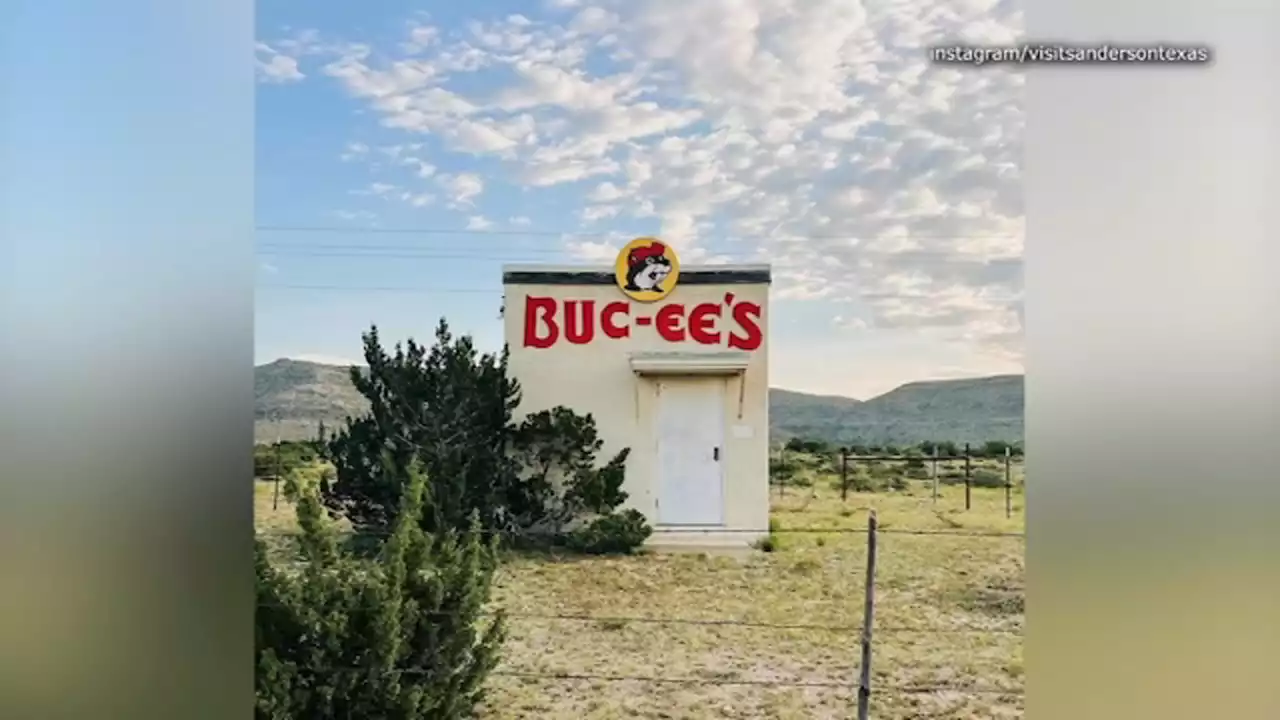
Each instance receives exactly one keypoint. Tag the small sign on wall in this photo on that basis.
(646, 269)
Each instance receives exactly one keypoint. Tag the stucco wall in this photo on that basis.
(597, 377)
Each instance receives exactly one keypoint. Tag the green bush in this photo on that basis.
(782, 469)
(801, 480)
(614, 534)
(768, 544)
(771, 542)
(811, 447)
(987, 478)
(283, 458)
(859, 481)
(400, 636)
(950, 449)
(995, 448)
(915, 469)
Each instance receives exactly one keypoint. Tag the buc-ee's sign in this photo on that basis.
(646, 271)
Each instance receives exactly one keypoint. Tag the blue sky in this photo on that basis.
(406, 150)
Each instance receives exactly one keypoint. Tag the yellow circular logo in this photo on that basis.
(647, 269)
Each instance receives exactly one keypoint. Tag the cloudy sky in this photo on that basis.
(407, 149)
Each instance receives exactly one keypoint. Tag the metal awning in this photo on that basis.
(689, 363)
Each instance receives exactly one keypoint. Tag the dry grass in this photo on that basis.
(963, 595)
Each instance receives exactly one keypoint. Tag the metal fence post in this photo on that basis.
(868, 621)
(844, 474)
(968, 477)
(1008, 483)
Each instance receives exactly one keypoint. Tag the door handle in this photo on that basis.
(715, 454)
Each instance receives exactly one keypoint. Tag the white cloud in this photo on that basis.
(593, 21)
(462, 188)
(849, 323)
(377, 189)
(595, 213)
(595, 252)
(274, 66)
(605, 192)
(478, 222)
(418, 199)
(813, 131)
(354, 151)
(519, 221)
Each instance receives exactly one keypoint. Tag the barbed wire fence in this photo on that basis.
(861, 685)
(935, 467)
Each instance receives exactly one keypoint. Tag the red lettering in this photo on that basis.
(542, 322)
(608, 326)
(747, 315)
(547, 307)
(702, 324)
(573, 332)
(669, 318)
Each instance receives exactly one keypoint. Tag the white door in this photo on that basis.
(690, 432)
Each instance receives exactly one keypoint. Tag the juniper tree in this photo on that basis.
(555, 451)
(447, 407)
(451, 409)
(398, 638)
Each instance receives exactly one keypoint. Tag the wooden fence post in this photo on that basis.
(844, 474)
(782, 472)
(935, 474)
(968, 477)
(1008, 482)
(275, 499)
(868, 621)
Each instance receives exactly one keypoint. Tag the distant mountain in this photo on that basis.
(970, 410)
(293, 397)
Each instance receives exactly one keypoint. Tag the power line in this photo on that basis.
(500, 290)
(540, 255)
(475, 232)
(368, 288)
(326, 229)
(395, 250)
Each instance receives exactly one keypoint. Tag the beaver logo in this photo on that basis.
(647, 269)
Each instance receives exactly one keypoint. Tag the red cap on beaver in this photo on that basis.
(639, 254)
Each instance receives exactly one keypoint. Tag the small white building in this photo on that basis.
(673, 363)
